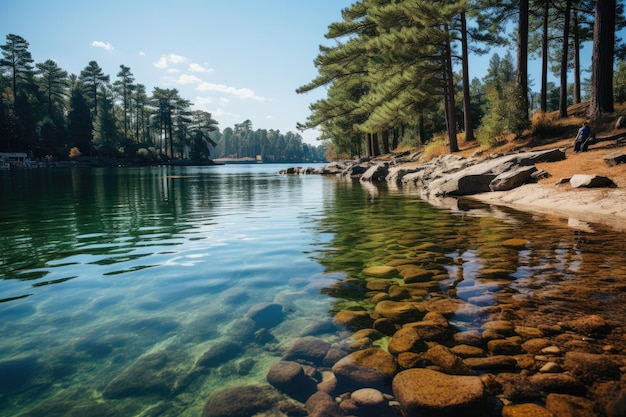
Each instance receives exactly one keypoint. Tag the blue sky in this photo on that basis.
(237, 59)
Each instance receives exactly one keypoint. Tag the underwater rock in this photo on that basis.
(591, 367)
(592, 325)
(366, 368)
(406, 339)
(380, 271)
(353, 320)
(570, 405)
(289, 378)
(309, 349)
(529, 409)
(445, 359)
(149, 375)
(219, 353)
(428, 392)
(242, 401)
(243, 330)
(321, 404)
(266, 315)
(398, 311)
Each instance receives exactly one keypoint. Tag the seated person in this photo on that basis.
(581, 143)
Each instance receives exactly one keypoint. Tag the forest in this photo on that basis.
(46, 112)
(398, 72)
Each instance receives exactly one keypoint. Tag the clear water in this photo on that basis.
(103, 269)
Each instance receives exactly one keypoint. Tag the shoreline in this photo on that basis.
(596, 205)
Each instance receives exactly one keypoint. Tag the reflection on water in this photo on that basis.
(126, 290)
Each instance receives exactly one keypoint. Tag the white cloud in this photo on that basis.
(104, 45)
(202, 103)
(242, 93)
(173, 71)
(188, 79)
(142, 53)
(199, 68)
(165, 60)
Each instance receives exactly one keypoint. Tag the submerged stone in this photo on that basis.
(219, 353)
(242, 401)
(380, 271)
(428, 392)
(152, 374)
(366, 368)
(266, 315)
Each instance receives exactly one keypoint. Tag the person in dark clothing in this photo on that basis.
(581, 143)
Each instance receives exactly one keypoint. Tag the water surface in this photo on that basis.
(108, 273)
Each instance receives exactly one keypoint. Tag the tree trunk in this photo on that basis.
(564, 61)
(370, 147)
(375, 145)
(576, 46)
(522, 53)
(602, 59)
(385, 137)
(544, 60)
(467, 103)
(449, 97)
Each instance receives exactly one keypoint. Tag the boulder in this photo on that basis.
(353, 320)
(321, 404)
(242, 401)
(615, 158)
(150, 375)
(427, 392)
(398, 311)
(591, 367)
(368, 368)
(513, 179)
(309, 349)
(219, 353)
(266, 315)
(406, 340)
(570, 405)
(375, 173)
(445, 359)
(590, 181)
(289, 378)
(525, 410)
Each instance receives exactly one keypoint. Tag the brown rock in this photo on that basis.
(366, 368)
(526, 410)
(241, 401)
(557, 383)
(510, 346)
(590, 367)
(467, 351)
(380, 271)
(309, 349)
(385, 326)
(406, 339)
(492, 362)
(289, 378)
(570, 406)
(448, 362)
(321, 404)
(591, 325)
(398, 311)
(424, 391)
(353, 320)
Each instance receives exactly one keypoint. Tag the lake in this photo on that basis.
(103, 268)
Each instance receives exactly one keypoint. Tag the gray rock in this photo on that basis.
(428, 392)
(615, 158)
(242, 401)
(513, 179)
(266, 315)
(289, 378)
(309, 349)
(591, 181)
(375, 173)
(219, 353)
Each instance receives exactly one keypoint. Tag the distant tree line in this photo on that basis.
(269, 145)
(389, 76)
(46, 111)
